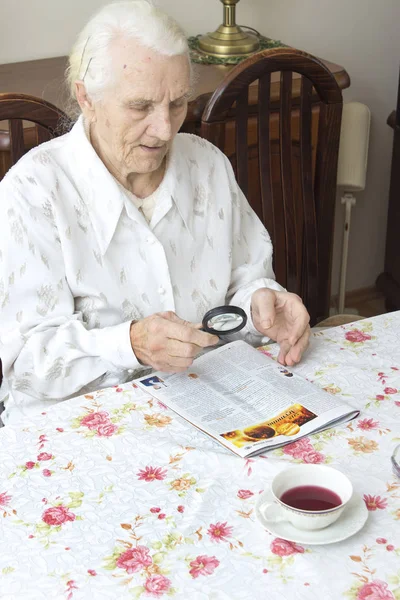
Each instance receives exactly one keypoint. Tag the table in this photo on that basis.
(111, 495)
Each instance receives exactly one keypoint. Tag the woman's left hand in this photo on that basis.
(282, 317)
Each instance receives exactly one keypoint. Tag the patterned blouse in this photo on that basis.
(79, 262)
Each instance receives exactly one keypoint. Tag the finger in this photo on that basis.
(178, 349)
(296, 352)
(284, 349)
(298, 318)
(167, 368)
(263, 308)
(174, 364)
(185, 331)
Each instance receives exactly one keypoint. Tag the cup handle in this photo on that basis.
(272, 512)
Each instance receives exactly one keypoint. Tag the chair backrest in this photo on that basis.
(49, 122)
(294, 190)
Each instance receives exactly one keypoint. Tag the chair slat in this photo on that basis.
(43, 135)
(242, 155)
(310, 249)
(264, 158)
(285, 122)
(16, 139)
(325, 191)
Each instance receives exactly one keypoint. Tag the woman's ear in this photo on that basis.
(84, 100)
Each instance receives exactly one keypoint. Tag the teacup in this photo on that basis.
(324, 481)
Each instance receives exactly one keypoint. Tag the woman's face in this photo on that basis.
(133, 125)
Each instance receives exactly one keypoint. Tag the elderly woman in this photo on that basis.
(116, 238)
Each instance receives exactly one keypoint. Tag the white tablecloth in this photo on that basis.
(111, 495)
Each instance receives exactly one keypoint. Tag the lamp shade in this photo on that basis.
(353, 147)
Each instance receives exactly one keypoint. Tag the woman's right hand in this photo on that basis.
(167, 343)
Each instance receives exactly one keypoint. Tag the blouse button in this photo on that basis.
(161, 291)
(150, 240)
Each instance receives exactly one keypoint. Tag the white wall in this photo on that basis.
(362, 35)
(44, 28)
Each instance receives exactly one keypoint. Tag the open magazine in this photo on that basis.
(247, 401)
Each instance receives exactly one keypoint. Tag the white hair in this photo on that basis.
(90, 58)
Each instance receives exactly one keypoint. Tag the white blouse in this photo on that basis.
(79, 262)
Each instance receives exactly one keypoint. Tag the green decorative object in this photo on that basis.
(199, 57)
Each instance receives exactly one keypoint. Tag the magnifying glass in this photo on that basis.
(224, 320)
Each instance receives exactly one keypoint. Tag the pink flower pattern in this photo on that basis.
(93, 420)
(99, 422)
(157, 585)
(44, 456)
(4, 499)
(220, 532)
(357, 336)
(284, 548)
(152, 473)
(375, 590)
(303, 449)
(107, 429)
(203, 565)
(375, 502)
(245, 494)
(57, 515)
(134, 559)
(367, 424)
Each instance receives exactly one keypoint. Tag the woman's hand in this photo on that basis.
(167, 343)
(282, 317)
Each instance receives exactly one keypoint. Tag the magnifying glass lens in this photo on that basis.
(224, 320)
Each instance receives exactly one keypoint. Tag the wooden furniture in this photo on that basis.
(45, 79)
(389, 281)
(293, 178)
(16, 108)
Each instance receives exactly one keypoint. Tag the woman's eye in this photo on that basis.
(176, 105)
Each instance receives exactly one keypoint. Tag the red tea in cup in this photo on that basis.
(311, 497)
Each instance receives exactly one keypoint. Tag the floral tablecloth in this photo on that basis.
(111, 495)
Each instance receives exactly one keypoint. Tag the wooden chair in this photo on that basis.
(49, 121)
(297, 206)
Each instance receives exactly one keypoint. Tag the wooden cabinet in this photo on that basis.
(389, 281)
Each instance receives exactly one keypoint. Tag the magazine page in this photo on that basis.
(246, 400)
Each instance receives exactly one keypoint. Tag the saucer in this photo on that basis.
(350, 522)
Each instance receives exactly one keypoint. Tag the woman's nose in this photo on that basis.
(160, 125)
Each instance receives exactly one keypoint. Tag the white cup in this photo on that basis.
(301, 475)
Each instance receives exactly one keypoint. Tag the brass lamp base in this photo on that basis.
(229, 41)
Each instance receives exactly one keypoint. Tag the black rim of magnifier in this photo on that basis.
(223, 310)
